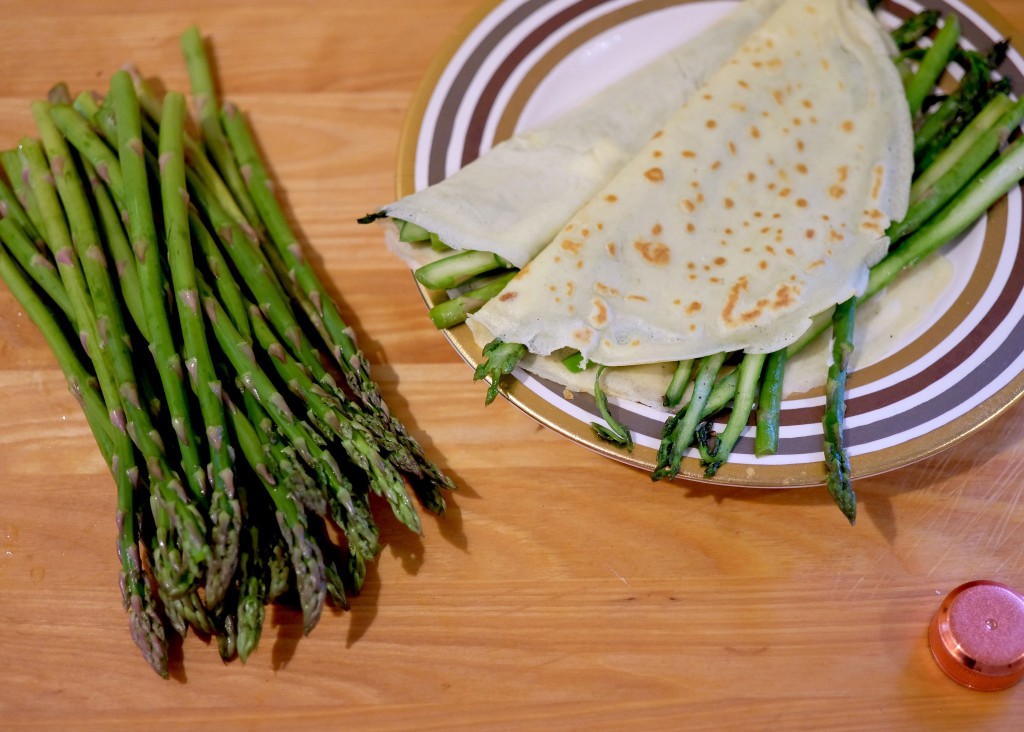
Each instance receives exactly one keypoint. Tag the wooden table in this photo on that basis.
(561, 591)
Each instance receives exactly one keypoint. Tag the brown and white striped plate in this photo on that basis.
(518, 63)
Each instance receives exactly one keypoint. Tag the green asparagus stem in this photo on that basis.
(837, 461)
(743, 404)
(90, 145)
(410, 232)
(613, 431)
(333, 422)
(934, 63)
(39, 267)
(18, 176)
(677, 386)
(11, 207)
(456, 269)
(955, 111)
(451, 312)
(978, 142)
(305, 554)
(118, 246)
(225, 514)
(991, 184)
(252, 594)
(769, 405)
(142, 234)
(204, 98)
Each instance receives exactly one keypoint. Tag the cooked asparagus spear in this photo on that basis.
(837, 460)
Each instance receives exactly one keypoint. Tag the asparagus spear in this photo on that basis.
(333, 422)
(746, 393)
(225, 513)
(934, 63)
(11, 207)
(306, 557)
(991, 184)
(18, 176)
(118, 246)
(451, 312)
(677, 386)
(455, 269)
(204, 98)
(142, 234)
(914, 28)
(769, 405)
(837, 461)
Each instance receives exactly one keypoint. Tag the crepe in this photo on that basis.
(515, 198)
(762, 202)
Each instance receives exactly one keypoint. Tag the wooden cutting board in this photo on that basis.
(561, 590)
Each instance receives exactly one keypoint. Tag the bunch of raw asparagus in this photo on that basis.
(239, 419)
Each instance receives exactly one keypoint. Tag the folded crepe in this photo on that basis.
(514, 199)
(761, 202)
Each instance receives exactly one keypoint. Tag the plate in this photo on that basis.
(519, 63)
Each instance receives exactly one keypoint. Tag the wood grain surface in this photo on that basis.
(561, 590)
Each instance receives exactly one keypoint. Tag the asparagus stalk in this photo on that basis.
(746, 394)
(837, 460)
(769, 405)
(118, 246)
(975, 146)
(142, 234)
(613, 431)
(17, 174)
(305, 554)
(334, 423)
(677, 386)
(322, 310)
(204, 98)
(455, 269)
(225, 513)
(914, 28)
(934, 63)
(452, 312)
(11, 207)
(991, 184)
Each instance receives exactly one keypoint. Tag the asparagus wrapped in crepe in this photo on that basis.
(514, 199)
(762, 202)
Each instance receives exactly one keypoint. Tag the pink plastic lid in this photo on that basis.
(977, 635)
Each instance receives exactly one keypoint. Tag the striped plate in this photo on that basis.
(518, 63)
